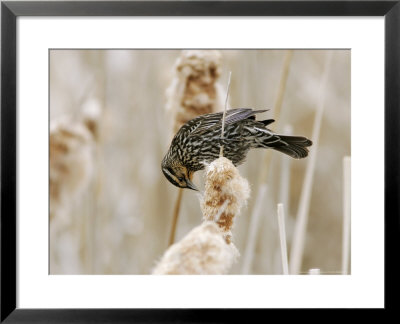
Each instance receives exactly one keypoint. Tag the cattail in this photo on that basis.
(201, 251)
(71, 161)
(226, 192)
(300, 229)
(208, 249)
(195, 89)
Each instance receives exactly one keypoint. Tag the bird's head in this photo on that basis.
(178, 175)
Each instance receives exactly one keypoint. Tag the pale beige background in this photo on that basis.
(121, 223)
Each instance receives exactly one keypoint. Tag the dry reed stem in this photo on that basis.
(221, 151)
(296, 254)
(93, 117)
(224, 190)
(175, 217)
(254, 227)
(346, 214)
(256, 214)
(277, 108)
(282, 83)
(201, 251)
(282, 237)
(284, 179)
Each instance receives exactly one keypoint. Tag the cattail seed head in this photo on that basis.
(201, 251)
(71, 161)
(226, 192)
(195, 89)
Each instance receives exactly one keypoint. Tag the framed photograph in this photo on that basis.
(163, 158)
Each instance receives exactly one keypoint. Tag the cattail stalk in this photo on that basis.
(175, 217)
(256, 214)
(282, 236)
(346, 213)
(284, 186)
(253, 229)
(221, 152)
(278, 107)
(297, 249)
(282, 83)
(93, 113)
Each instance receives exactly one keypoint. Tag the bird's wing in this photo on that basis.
(213, 121)
(205, 123)
(235, 115)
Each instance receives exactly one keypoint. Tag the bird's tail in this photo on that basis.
(294, 146)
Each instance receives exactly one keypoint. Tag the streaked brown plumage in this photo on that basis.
(198, 142)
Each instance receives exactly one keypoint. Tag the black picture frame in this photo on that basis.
(11, 10)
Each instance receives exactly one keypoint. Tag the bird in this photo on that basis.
(198, 142)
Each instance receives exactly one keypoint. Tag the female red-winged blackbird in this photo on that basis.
(198, 142)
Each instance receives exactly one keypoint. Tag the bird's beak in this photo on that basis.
(191, 185)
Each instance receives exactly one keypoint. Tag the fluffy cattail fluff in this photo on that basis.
(195, 89)
(201, 251)
(71, 161)
(208, 249)
(225, 194)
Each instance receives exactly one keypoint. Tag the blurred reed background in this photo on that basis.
(112, 116)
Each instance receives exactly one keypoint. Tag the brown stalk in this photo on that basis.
(175, 217)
